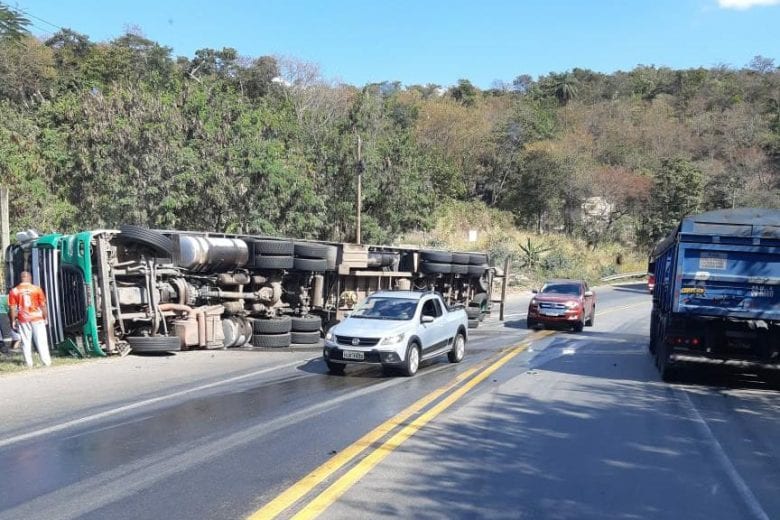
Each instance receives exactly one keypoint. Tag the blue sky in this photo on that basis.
(436, 41)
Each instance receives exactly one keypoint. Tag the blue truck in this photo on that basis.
(717, 290)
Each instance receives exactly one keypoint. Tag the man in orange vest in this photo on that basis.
(27, 304)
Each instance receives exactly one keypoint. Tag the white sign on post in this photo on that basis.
(472, 235)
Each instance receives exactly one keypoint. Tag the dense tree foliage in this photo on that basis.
(101, 133)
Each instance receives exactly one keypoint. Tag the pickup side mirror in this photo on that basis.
(535, 291)
(588, 294)
(427, 319)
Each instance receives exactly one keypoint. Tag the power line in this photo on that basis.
(19, 9)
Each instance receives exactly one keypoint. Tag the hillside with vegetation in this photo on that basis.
(94, 134)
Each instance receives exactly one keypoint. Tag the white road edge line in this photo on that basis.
(742, 488)
(75, 422)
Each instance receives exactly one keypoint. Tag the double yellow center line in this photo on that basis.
(307, 484)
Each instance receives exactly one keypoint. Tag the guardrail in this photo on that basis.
(637, 274)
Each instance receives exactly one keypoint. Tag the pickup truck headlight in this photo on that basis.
(390, 340)
(329, 335)
(572, 305)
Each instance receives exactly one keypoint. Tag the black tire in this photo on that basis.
(577, 327)
(478, 259)
(154, 343)
(335, 368)
(273, 262)
(477, 270)
(317, 265)
(592, 319)
(456, 354)
(271, 340)
(439, 257)
(273, 247)
(459, 269)
(306, 323)
(331, 257)
(156, 242)
(664, 363)
(410, 366)
(306, 250)
(530, 324)
(461, 258)
(435, 268)
(473, 312)
(473, 323)
(305, 338)
(272, 325)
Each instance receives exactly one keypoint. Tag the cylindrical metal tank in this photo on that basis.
(237, 331)
(208, 254)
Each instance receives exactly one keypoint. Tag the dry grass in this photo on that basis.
(563, 256)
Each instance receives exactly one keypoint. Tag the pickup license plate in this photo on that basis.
(352, 354)
(553, 313)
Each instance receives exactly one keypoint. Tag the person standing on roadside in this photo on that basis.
(27, 304)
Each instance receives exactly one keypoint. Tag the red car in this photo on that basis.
(568, 303)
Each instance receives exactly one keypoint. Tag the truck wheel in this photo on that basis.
(592, 318)
(305, 338)
(435, 268)
(142, 344)
(578, 326)
(272, 247)
(314, 251)
(272, 325)
(530, 324)
(318, 265)
(271, 340)
(306, 323)
(461, 258)
(477, 270)
(665, 366)
(412, 361)
(478, 259)
(273, 262)
(439, 257)
(335, 368)
(458, 349)
(459, 269)
(157, 242)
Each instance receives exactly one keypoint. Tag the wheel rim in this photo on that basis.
(460, 347)
(414, 360)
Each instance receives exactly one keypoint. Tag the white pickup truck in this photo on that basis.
(397, 330)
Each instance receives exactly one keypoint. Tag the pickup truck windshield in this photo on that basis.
(378, 308)
(572, 289)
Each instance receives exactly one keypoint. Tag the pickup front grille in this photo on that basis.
(361, 342)
(558, 306)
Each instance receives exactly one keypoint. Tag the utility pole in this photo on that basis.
(359, 187)
(5, 233)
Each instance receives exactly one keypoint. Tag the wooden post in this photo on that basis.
(5, 233)
(359, 188)
(503, 288)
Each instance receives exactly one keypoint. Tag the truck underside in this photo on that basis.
(134, 288)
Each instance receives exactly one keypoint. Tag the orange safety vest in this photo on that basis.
(29, 301)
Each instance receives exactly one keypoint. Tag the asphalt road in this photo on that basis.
(530, 425)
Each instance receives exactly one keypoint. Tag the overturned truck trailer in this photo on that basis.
(112, 291)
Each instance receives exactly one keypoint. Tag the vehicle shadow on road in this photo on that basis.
(610, 353)
(608, 449)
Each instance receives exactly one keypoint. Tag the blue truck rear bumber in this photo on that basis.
(739, 281)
